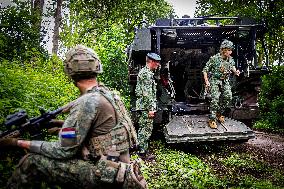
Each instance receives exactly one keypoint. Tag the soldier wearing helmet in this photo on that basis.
(82, 62)
(146, 100)
(219, 66)
(92, 150)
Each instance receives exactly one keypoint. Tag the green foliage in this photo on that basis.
(271, 100)
(251, 182)
(267, 12)
(20, 36)
(248, 170)
(32, 86)
(89, 18)
(243, 161)
(108, 27)
(176, 169)
(110, 48)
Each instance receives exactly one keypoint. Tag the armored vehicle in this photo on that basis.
(185, 45)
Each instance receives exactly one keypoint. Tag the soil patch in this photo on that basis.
(266, 147)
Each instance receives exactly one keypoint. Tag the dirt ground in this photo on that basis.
(267, 147)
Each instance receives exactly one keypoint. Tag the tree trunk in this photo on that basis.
(37, 8)
(57, 23)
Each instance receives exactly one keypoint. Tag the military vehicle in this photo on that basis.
(185, 45)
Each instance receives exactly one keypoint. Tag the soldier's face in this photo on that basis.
(154, 64)
(227, 52)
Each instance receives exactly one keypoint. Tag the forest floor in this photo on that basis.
(259, 158)
(265, 147)
(256, 163)
(269, 147)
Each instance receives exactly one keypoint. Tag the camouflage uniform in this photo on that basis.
(93, 140)
(146, 100)
(219, 70)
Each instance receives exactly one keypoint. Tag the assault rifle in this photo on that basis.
(19, 123)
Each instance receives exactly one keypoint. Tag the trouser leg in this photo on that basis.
(227, 97)
(144, 131)
(214, 103)
(34, 169)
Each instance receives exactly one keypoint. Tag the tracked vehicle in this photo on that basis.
(185, 45)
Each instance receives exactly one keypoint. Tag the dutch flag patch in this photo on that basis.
(68, 132)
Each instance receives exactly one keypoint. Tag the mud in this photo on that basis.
(270, 143)
(266, 147)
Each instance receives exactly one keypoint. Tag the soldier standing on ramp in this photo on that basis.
(220, 66)
(146, 100)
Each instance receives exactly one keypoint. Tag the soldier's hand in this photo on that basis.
(53, 130)
(5, 142)
(56, 123)
(237, 73)
(207, 84)
(151, 114)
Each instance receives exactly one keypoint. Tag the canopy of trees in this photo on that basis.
(267, 12)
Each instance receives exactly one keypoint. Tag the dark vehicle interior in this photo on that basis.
(185, 45)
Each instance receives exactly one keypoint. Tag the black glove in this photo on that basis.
(5, 142)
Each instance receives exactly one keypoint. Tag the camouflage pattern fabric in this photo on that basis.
(87, 105)
(144, 131)
(227, 44)
(220, 87)
(61, 162)
(146, 100)
(146, 90)
(73, 173)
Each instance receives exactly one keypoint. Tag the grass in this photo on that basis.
(174, 168)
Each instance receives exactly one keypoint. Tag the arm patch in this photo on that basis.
(68, 137)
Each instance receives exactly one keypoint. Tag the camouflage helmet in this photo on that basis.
(82, 61)
(227, 44)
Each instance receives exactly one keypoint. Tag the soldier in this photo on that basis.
(146, 100)
(94, 141)
(220, 66)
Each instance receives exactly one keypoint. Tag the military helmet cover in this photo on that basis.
(82, 60)
(227, 44)
(154, 56)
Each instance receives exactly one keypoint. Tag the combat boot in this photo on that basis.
(150, 156)
(146, 156)
(212, 124)
(220, 118)
(142, 155)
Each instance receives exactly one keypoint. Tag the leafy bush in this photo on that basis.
(111, 47)
(271, 101)
(20, 36)
(32, 86)
(176, 169)
(245, 172)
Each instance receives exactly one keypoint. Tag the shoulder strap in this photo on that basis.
(121, 113)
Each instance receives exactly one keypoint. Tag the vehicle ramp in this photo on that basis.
(194, 128)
